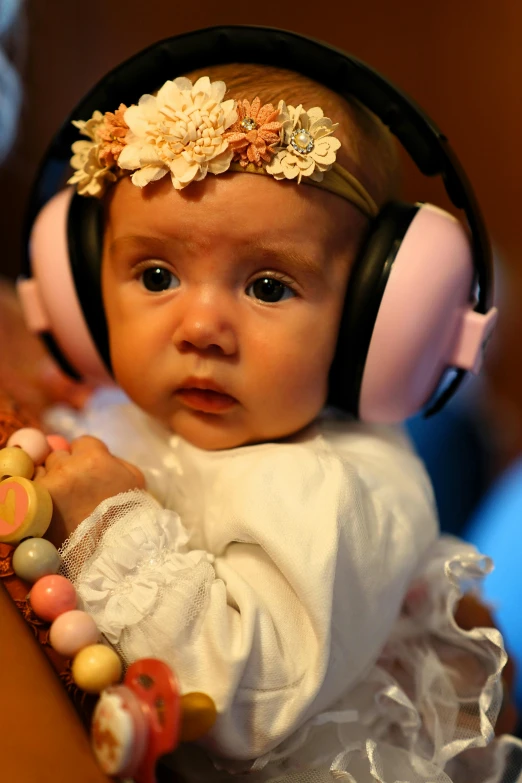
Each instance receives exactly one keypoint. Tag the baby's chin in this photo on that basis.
(212, 433)
(213, 437)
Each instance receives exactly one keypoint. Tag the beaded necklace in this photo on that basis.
(137, 720)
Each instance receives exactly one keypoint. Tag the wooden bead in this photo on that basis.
(34, 558)
(15, 462)
(33, 442)
(198, 715)
(26, 509)
(51, 596)
(95, 668)
(72, 631)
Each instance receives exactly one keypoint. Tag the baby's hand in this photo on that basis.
(78, 481)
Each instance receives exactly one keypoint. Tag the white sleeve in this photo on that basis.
(303, 580)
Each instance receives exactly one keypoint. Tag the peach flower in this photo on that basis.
(255, 132)
(112, 134)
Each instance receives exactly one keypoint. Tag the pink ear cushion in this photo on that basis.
(57, 293)
(418, 321)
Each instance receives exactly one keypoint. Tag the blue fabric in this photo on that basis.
(496, 530)
(456, 455)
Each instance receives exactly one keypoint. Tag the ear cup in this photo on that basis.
(62, 300)
(426, 322)
(367, 283)
(85, 222)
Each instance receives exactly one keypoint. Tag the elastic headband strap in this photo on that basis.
(337, 180)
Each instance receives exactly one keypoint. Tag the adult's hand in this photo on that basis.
(472, 613)
(28, 375)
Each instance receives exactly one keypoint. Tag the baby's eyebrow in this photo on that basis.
(294, 257)
(153, 244)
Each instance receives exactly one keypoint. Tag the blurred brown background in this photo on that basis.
(461, 61)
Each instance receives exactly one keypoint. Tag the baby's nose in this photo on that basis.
(206, 326)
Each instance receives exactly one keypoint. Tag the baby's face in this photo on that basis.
(223, 302)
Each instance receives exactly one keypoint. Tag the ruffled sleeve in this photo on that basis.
(124, 558)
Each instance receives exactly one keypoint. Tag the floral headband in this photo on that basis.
(189, 131)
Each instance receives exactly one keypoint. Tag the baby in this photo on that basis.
(279, 555)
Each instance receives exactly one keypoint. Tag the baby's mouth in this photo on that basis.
(204, 399)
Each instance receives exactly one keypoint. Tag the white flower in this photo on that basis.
(180, 131)
(91, 176)
(307, 148)
(90, 127)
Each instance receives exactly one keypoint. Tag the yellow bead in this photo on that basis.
(95, 668)
(15, 462)
(26, 509)
(198, 715)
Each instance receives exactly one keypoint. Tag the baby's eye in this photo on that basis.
(157, 278)
(269, 289)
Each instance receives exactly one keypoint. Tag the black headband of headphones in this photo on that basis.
(346, 75)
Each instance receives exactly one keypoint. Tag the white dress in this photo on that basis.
(303, 585)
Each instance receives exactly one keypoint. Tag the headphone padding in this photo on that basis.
(58, 291)
(366, 286)
(428, 291)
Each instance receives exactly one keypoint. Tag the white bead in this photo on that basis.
(72, 631)
(33, 442)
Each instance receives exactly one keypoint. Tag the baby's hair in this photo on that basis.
(369, 150)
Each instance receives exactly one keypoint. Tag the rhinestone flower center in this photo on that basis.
(302, 141)
(248, 124)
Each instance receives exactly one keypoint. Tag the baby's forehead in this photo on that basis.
(236, 210)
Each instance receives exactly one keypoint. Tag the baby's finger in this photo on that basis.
(140, 478)
(55, 458)
(86, 444)
(39, 472)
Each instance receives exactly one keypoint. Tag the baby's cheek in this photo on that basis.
(302, 389)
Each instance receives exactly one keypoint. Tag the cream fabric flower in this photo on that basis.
(307, 148)
(92, 175)
(179, 131)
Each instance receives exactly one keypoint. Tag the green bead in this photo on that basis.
(34, 558)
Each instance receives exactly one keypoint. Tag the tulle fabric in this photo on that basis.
(423, 713)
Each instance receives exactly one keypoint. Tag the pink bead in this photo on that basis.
(51, 596)
(58, 443)
(33, 442)
(72, 631)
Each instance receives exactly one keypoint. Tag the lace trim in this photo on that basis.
(122, 558)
